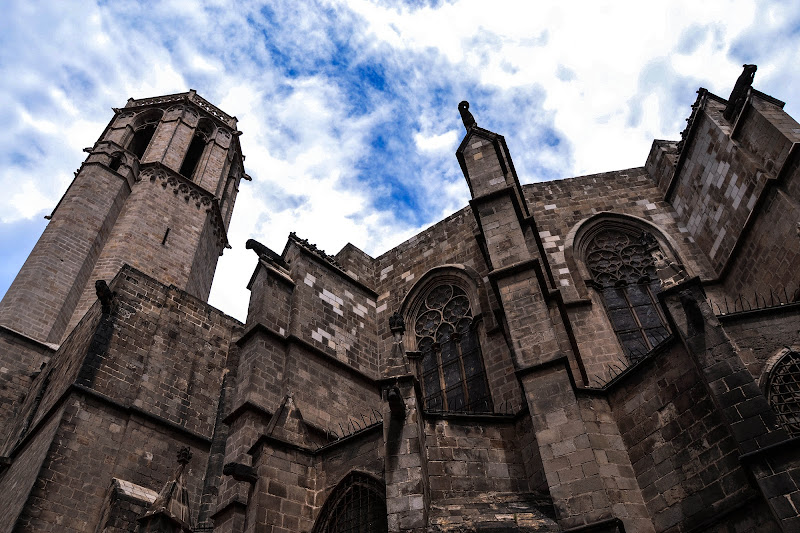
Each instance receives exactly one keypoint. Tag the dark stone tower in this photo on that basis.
(156, 191)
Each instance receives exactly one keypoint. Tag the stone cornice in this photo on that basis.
(191, 97)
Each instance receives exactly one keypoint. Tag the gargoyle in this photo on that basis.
(104, 294)
(240, 472)
(694, 316)
(739, 92)
(396, 404)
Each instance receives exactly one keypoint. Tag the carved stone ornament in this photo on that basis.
(396, 323)
(466, 116)
(739, 93)
(240, 472)
(104, 294)
(184, 455)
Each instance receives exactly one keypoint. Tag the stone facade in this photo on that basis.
(617, 352)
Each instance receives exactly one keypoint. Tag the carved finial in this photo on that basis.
(739, 92)
(184, 455)
(466, 116)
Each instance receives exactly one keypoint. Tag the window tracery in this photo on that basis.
(357, 505)
(625, 274)
(783, 391)
(453, 376)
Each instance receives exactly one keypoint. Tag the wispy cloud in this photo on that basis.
(349, 108)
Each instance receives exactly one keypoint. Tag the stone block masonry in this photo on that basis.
(324, 406)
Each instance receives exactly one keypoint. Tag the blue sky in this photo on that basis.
(349, 109)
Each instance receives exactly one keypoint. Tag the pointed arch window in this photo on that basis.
(783, 391)
(196, 148)
(625, 274)
(143, 133)
(356, 505)
(453, 376)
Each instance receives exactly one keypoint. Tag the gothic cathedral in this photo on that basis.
(610, 353)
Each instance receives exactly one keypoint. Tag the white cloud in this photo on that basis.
(349, 108)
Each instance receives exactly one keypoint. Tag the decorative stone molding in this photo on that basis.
(189, 97)
(190, 192)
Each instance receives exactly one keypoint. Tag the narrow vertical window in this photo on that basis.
(141, 139)
(453, 377)
(624, 273)
(196, 148)
(783, 391)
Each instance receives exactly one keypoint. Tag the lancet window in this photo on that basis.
(143, 134)
(625, 274)
(783, 391)
(357, 505)
(195, 152)
(453, 376)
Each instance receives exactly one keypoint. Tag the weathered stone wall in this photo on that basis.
(766, 262)
(20, 362)
(55, 379)
(96, 442)
(158, 232)
(357, 264)
(717, 187)
(18, 481)
(43, 296)
(138, 383)
(361, 453)
(332, 313)
(561, 208)
(763, 334)
(558, 206)
(449, 242)
(468, 458)
(683, 455)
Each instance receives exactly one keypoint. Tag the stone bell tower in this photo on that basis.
(156, 192)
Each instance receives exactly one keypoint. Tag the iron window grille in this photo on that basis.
(453, 376)
(625, 274)
(783, 391)
(357, 505)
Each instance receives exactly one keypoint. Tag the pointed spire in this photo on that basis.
(287, 423)
(170, 512)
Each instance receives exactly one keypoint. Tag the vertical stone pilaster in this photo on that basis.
(587, 489)
(588, 471)
(407, 498)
